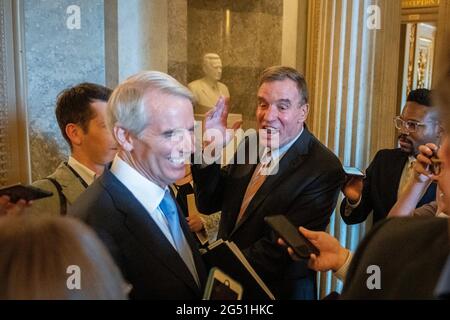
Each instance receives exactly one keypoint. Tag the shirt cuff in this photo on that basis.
(349, 206)
(341, 274)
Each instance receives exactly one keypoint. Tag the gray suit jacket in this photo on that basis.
(71, 185)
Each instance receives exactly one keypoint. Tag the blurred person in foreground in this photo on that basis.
(55, 258)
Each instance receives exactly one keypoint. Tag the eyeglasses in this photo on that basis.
(411, 126)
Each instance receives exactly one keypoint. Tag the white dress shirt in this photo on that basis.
(85, 173)
(146, 192)
(277, 154)
(407, 174)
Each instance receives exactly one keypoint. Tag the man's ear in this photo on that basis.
(75, 134)
(123, 138)
(304, 111)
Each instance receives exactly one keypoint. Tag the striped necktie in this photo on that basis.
(258, 178)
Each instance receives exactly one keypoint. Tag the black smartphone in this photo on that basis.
(28, 193)
(292, 236)
(353, 171)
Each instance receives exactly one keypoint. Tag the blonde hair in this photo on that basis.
(36, 252)
(126, 106)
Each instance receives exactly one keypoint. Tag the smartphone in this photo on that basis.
(220, 286)
(353, 171)
(17, 192)
(292, 236)
(436, 165)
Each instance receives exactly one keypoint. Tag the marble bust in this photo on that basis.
(208, 89)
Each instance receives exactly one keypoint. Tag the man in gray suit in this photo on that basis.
(81, 115)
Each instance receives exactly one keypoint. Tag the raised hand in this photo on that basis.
(216, 124)
(424, 162)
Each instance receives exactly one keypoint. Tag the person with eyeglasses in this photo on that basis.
(389, 173)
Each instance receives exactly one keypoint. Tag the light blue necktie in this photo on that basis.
(170, 211)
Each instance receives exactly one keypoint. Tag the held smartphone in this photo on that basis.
(290, 234)
(18, 191)
(353, 171)
(222, 287)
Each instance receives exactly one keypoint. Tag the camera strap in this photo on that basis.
(62, 197)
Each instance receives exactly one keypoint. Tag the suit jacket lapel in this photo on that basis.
(293, 158)
(147, 231)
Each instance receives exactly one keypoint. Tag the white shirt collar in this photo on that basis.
(269, 166)
(146, 192)
(85, 173)
(279, 152)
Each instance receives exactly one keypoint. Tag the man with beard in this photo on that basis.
(390, 170)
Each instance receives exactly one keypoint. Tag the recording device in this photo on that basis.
(435, 167)
(290, 234)
(220, 286)
(17, 192)
(353, 171)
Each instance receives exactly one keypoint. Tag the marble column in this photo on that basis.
(142, 36)
(442, 40)
(59, 52)
(352, 74)
(178, 39)
(13, 139)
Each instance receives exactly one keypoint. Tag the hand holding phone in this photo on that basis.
(354, 172)
(290, 234)
(20, 192)
(427, 161)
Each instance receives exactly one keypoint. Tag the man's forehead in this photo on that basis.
(415, 110)
(281, 89)
(215, 62)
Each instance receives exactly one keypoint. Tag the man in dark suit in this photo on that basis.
(400, 258)
(409, 255)
(297, 176)
(130, 206)
(388, 174)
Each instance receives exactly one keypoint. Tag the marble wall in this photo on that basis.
(142, 36)
(246, 34)
(177, 15)
(58, 57)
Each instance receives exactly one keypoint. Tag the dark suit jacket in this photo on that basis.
(410, 252)
(146, 258)
(381, 187)
(305, 189)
